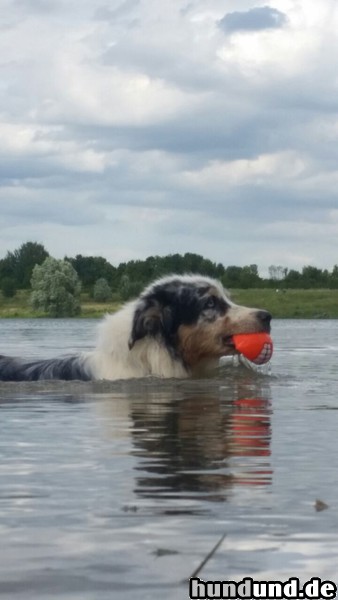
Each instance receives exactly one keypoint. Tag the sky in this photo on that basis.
(132, 128)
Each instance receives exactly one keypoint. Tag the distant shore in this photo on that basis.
(19, 307)
(287, 304)
(292, 303)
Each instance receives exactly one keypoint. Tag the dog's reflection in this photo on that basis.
(193, 445)
(200, 445)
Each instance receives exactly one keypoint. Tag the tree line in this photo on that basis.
(104, 281)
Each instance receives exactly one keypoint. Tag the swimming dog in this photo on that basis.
(180, 326)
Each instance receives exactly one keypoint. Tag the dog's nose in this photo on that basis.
(265, 318)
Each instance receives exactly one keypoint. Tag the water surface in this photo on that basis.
(120, 489)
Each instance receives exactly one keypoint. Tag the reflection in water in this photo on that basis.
(193, 440)
(194, 443)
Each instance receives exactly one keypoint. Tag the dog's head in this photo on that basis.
(194, 317)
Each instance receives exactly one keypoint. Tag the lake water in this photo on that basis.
(121, 489)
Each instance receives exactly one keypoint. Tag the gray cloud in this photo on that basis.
(37, 6)
(255, 19)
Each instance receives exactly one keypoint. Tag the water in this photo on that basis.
(120, 489)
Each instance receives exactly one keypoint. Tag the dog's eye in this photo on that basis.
(210, 303)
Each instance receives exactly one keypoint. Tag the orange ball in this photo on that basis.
(256, 347)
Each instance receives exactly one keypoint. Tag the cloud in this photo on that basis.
(255, 19)
(130, 128)
(35, 6)
(120, 11)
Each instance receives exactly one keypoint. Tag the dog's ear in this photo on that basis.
(150, 318)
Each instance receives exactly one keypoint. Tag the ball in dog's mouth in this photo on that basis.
(256, 347)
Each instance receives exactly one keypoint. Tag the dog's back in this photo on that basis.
(69, 367)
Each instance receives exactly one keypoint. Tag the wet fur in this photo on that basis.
(179, 327)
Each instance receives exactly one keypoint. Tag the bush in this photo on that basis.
(102, 291)
(56, 289)
(129, 289)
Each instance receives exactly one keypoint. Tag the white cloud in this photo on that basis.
(109, 96)
(41, 142)
(226, 174)
(288, 51)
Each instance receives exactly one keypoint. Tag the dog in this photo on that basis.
(179, 327)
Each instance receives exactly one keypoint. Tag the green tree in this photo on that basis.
(8, 287)
(56, 288)
(277, 272)
(129, 289)
(333, 280)
(19, 265)
(102, 291)
(142, 272)
(92, 268)
(313, 277)
(249, 277)
(232, 277)
(293, 279)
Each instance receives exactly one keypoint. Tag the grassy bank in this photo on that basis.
(19, 307)
(301, 304)
(307, 304)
